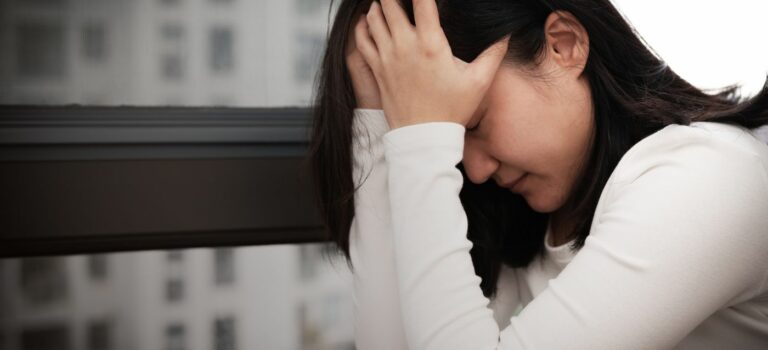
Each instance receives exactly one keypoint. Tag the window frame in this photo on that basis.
(55, 136)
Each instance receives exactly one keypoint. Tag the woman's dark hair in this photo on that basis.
(634, 94)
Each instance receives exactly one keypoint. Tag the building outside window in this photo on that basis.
(174, 289)
(224, 337)
(175, 337)
(94, 42)
(224, 266)
(99, 335)
(97, 267)
(221, 52)
(43, 280)
(41, 50)
(172, 48)
(175, 255)
(309, 47)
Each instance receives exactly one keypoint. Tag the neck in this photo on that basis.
(561, 227)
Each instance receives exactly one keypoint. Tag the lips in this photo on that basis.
(512, 184)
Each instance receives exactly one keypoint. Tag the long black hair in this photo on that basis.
(634, 94)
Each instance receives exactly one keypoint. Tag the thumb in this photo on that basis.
(484, 67)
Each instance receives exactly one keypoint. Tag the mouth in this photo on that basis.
(511, 185)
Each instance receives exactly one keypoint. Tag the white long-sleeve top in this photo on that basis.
(677, 255)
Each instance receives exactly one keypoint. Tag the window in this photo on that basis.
(221, 58)
(224, 337)
(222, 1)
(224, 266)
(310, 257)
(308, 7)
(307, 59)
(175, 337)
(172, 62)
(94, 42)
(99, 335)
(41, 51)
(174, 289)
(130, 308)
(97, 267)
(43, 280)
(160, 52)
(175, 255)
(169, 2)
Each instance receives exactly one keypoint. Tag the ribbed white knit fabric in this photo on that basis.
(677, 255)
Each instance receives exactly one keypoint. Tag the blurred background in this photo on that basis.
(238, 53)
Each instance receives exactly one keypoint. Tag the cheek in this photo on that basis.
(547, 194)
(552, 156)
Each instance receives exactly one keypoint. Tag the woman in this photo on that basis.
(603, 202)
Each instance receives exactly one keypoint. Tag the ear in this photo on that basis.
(567, 41)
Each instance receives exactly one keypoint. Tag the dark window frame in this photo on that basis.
(269, 145)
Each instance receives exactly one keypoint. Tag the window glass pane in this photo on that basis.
(272, 297)
(224, 334)
(97, 266)
(40, 50)
(43, 281)
(99, 337)
(265, 53)
(248, 53)
(224, 266)
(94, 42)
(175, 337)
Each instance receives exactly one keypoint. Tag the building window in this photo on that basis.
(43, 280)
(46, 338)
(221, 49)
(308, 7)
(94, 42)
(311, 259)
(224, 337)
(175, 255)
(224, 266)
(307, 59)
(174, 289)
(41, 50)
(97, 267)
(99, 337)
(172, 51)
(174, 337)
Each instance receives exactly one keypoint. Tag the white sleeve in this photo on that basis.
(678, 235)
(378, 323)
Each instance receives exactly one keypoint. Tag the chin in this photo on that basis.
(543, 204)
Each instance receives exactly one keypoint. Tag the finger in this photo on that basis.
(427, 18)
(397, 20)
(365, 44)
(377, 26)
(484, 67)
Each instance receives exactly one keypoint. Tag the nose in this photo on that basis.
(478, 164)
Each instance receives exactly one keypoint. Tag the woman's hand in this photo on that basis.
(418, 77)
(363, 81)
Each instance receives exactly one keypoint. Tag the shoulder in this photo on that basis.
(696, 173)
(717, 151)
(690, 195)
